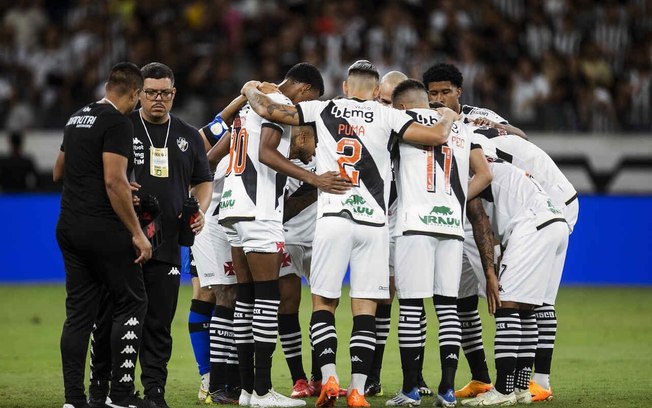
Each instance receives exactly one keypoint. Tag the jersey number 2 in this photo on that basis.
(431, 167)
(350, 151)
(238, 153)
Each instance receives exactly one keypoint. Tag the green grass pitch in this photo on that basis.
(603, 356)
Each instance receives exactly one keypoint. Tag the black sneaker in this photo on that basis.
(373, 388)
(76, 405)
(157, 401)
(132, 401)
(424, 390)
(224, 396)
(97, 393)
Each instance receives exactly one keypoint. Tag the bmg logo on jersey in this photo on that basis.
(346, 113)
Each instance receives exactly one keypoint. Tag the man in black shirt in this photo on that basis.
(97, 232)
(169, 158)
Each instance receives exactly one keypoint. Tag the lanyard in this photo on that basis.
(140, 113)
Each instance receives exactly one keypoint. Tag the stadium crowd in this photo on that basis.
(573, 65)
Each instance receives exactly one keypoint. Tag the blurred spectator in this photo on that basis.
(530, 91)
(17, 172)
(54, 55)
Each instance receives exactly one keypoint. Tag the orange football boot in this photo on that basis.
(539, 393)
(355, 400)
(330, 390)
(473, 389)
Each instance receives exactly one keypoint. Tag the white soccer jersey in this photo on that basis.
(300, 229)
(253, 190)
(218, 185)
(432, 182)
(516, 198)
(529, 157)
(471, 113)
(353, 137)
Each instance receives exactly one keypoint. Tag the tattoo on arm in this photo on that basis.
(482, 233)
(287, 111)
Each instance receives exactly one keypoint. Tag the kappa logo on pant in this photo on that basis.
(126, 378)
(132, 322)
(174, 271)
(451, 356)
(328, 350)
(129, 349)
(129, 336)
(127, 364)
(356, 359)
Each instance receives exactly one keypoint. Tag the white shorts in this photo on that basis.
(571, 213)
(426, 266)
(296, 260)
(256, 235)
(340, 242)
(470, 283)
(526, 270)
(212, 254)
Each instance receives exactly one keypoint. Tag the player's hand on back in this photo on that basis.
(267, 87)
(143, 248)
(449, 113)
(484, 122)
(493, 294)
(332, 182)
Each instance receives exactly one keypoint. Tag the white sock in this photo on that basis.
(327, 371)
(542, 379)
(357, 383)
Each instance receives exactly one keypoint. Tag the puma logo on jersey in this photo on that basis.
(131, 322)
(346, 113)
(349, 130)
(327, 350)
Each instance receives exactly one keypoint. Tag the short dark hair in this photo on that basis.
(365, 68)
(157, 70)
(307, 74)
(408, 85)
(124, 77)
(443, 72)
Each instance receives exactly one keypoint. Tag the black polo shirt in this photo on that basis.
(91, 131)
(187, 166)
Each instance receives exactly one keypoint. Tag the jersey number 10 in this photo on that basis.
(238, 152)
(435, 154)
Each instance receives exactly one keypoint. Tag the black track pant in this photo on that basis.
(162, 285)
(100, 261)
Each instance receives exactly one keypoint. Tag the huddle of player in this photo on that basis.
(308, 188)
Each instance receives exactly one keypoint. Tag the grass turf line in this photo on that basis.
(602, 358)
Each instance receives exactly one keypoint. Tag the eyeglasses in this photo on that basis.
(153, 94)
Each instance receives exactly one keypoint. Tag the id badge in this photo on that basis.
(158, 162)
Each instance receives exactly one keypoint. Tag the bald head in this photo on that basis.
(410, 94)
(387, 84)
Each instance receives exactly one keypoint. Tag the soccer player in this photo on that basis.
(444, 84)
(251, 211)
(353, 135)
(432, 188)
(299, 217)
(384, 309)
(527, 156)
(534, 234)
(216, 273)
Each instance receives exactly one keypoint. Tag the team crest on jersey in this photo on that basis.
(182, 143)
(440, 215)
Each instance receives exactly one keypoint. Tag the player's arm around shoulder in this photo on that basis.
(267, 108)
(434, 135)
